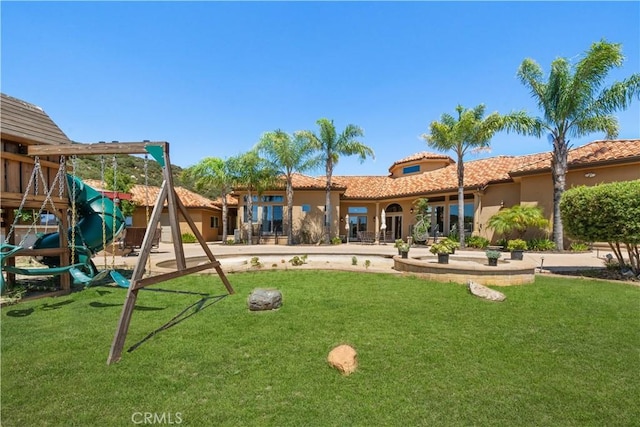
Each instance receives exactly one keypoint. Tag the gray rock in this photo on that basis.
(484, 292)
(265, 299)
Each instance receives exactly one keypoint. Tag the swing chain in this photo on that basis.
(72, 196)
(36, 165)
(113, 215)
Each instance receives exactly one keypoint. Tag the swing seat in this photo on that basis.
(80, 277)
(7, 251)
(49, 271)
(119, 279)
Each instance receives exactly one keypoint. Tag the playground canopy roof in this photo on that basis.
(28, 124)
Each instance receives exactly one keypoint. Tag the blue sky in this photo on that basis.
(211, 77)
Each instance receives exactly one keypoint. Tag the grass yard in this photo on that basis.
(560, 352)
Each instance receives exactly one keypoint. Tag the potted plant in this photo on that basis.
(492, 257)
(517, 248)
(398, 244)
(453, 245)
(442, 249)
(404, 250)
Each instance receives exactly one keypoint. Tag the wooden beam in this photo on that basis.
(94, 149)
(29, 160)
(152, 280)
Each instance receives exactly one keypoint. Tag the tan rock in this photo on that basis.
(344, 358)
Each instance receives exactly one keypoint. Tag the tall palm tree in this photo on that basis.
(213, 175)
(467, 131)
(332, 145)
(288, 154)
(254, 174)
(574, 103)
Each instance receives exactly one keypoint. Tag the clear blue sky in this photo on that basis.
(211, 77)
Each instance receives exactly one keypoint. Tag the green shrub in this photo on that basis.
(516, 245)
(477, 242)
(297, 261)
(579, 247)
(255, 262)
(188, 238)
(441, 248)
(541, 245)
(493, 254)
(605, 213)
(230, 242)
(367, 263)
(354, 260)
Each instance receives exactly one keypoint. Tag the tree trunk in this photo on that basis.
(250, 218)
(558, 175)
(289, 212)
(327, 206)
(225, 211)
(461, 202)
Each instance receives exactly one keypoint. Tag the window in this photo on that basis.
(272, 199)
(468, 217)
(214, 222)
(357, 210)
(306, 208)
(410, 169)
(272, 219)
(357, 220)
(254, 214)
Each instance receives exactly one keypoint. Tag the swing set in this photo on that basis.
(83, 241)
(84, 271)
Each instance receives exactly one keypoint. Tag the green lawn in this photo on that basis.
(560, 352)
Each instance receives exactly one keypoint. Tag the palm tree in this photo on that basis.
(574, 103)
(517, 218)
(254, 174)
(213, 174)
(288, 154)
(468, 131)
(332, 145)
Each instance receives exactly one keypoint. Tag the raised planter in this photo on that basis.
(517, 255)
(493, 262)
(462, 269)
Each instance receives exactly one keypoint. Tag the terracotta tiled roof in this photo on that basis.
(602, 151)
(306, 182)
(28, 123)
(424, 155)
(232, 200)
(147, 195)
(366, 187)
(478, 173)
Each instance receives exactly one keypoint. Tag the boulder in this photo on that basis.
(484, 292)
(344, 358)
(265, 299)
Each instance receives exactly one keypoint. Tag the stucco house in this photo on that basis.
(490, 184)
(205, 213)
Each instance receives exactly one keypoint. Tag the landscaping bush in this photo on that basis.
(541, 245)
(188, 238)
(477, 242)
(606, 213)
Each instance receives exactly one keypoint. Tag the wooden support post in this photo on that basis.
(175, 206)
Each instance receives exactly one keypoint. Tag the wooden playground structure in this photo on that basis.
(18, 167)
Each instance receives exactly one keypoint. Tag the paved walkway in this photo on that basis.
(340, 256)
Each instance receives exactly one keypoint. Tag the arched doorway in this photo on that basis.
(393, 220)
